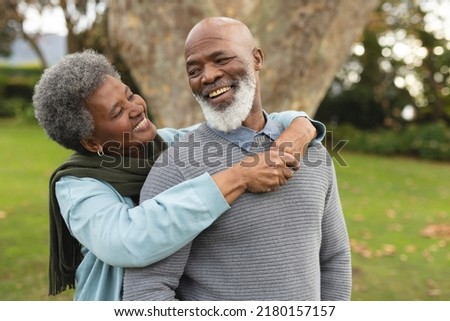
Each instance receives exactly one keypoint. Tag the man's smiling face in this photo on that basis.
(221, 75)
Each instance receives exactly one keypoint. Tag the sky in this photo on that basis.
(51, 21)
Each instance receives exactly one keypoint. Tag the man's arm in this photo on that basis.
(156, 282)
(335, 257)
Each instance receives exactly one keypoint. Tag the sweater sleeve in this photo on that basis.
(335, 258)
(159, 281)
(124, 235)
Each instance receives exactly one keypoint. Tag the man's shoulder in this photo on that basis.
(188, 146)
(317, 155)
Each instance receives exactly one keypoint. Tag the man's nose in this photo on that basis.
(210, 74)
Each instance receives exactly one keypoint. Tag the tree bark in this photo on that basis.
(304, 42)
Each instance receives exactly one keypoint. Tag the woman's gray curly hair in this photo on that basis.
(60, 96)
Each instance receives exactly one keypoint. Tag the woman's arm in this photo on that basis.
(171, 135)
(121, 234)
(286, 118)
(300, 132)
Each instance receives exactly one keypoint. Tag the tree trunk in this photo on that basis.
(304, 42)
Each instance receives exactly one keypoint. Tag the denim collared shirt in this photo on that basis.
(247, 138)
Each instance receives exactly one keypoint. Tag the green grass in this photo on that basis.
(387, 202)
(397, 210)
(28, 158)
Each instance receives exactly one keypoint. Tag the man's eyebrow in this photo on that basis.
(215, 54)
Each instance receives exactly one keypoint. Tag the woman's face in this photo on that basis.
(121, 125)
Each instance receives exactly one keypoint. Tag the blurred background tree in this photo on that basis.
(305, 42)
(398, 73)
(12, 18)
(82, 18)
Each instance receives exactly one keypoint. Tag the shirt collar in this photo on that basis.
(244, 136)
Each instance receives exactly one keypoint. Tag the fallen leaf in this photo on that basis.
(437, 231)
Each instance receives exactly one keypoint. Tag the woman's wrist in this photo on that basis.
(232, 182)
(305, 127)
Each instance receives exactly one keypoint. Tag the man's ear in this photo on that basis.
(258, 57)
(91, 145)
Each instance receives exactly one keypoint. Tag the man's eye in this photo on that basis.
(223, 61)
(193, 72)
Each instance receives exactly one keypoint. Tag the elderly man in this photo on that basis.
(291, 244)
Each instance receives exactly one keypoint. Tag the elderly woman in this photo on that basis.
(97, 226)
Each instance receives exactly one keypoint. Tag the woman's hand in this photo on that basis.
(267, 171)
(295, 139)
(262, 172)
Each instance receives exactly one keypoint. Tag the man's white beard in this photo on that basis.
(229, 118)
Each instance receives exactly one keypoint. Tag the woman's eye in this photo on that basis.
(118, 113)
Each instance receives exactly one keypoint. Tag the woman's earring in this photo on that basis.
(100, 153)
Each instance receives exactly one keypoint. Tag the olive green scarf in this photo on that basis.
(125, 174)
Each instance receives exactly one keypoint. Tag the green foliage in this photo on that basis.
(428, 141)
(19, 108)
(18, 81)
(16, 91)
(374, 85)
(8, 29)
(357, 107)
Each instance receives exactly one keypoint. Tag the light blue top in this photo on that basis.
(116, 234)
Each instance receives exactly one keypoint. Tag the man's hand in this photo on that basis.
(295, 139)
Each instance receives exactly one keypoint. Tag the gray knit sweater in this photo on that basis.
(291, 244)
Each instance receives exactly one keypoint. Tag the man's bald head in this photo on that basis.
(221, 28)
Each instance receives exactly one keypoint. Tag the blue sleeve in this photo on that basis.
(171, 135)
(124, 235)
(286, 117)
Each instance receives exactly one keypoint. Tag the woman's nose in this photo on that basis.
(135, 110)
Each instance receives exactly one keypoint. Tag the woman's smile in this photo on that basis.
(143, 125)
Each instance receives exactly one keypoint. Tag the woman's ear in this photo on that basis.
(258, 57)
(91, 145)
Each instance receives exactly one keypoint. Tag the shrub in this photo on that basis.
(428, 141)
(19, 108)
